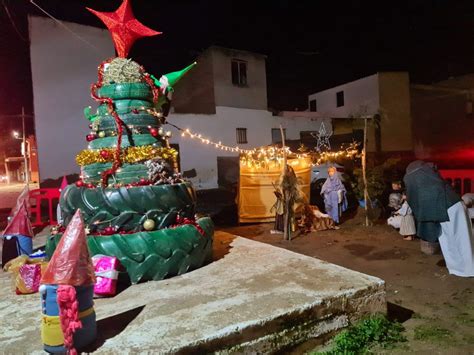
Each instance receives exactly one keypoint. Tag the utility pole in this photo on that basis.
(286, 199)
(23, 146)
(364, 173)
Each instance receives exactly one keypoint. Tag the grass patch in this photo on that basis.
(359, 338)
(469, 339)
(417, 315)
(465, 319)
(427, 332)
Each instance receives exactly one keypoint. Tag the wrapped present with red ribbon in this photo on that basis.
(106, 272)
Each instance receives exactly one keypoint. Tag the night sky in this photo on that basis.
(311, 45)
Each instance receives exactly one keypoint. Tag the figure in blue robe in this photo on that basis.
(334, 193)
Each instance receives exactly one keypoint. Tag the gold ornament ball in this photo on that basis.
(149, 224)
(101, 134)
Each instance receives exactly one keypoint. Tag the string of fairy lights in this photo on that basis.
(349, 152)
(218, 145)
(264, 156)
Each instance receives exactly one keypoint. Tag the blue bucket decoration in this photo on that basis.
(25, 245)
(51, 332)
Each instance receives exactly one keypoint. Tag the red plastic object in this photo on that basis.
(20, 223)
(71, 263)
(40, 195)
(462, 180)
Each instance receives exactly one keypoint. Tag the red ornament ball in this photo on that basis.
(104, 154)
(79, 183)
(109, 230)
(135, 111)
(90, 137)
(90, 186)
(154, 132)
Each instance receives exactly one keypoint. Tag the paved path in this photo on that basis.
(255, 297)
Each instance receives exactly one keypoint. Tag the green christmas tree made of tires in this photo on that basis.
(133, 200)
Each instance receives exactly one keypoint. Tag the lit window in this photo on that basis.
(241, 135)
(239, 72)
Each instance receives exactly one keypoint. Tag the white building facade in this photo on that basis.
(386, 94)
(225, 100)
(63, 68)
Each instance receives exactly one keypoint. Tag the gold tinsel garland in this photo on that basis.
(129, 155)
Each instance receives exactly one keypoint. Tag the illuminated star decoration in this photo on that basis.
(323, 139)
(124, 27)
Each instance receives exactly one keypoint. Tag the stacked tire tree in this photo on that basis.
(133, 200)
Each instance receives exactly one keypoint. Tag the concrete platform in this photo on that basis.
(255, 298)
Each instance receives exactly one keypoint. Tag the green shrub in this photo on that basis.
(373, 331)
(376, 179)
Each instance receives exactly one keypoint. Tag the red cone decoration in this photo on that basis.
(71, 263)
(20, 224)
(124, 27)
(24, 197)
(63, 184)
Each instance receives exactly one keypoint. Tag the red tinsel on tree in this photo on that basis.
(117, 163)
(180, 221)
(118, 122)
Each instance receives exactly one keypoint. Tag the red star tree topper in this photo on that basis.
(124, 27)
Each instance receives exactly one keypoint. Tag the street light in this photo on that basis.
(24, 151)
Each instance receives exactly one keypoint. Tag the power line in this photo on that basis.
(15, 116)
(13, 22)
(64, 26)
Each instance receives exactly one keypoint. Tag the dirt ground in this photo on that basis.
(437, 307)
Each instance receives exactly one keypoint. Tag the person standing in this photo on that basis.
(441, 216)
(334, 194)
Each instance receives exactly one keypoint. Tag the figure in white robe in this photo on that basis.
(457, 241)
(441, 216)
(407, 222)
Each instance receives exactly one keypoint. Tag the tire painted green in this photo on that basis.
(134, 140)
(128, 173)
(141, 120)
(154, 255)
(130, 91)
(127, 208)
(124, 106)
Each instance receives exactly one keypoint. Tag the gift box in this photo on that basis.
(106, 272)
(26, 274)
(29, 279)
